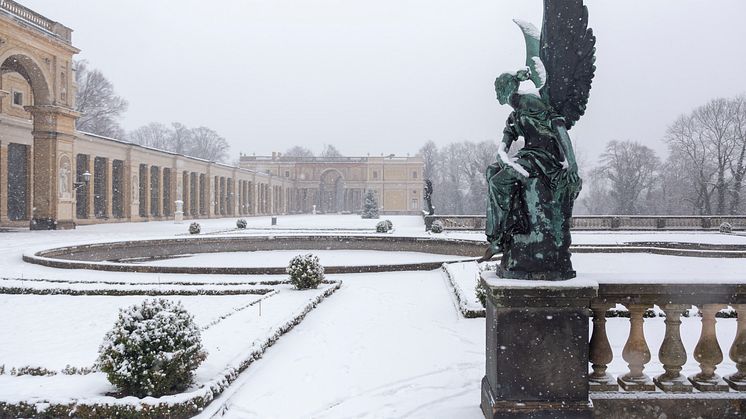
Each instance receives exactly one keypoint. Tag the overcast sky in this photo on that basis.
(384, 76)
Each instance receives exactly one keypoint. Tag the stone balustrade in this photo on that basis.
(605, 222)
(709, 353)
(29, 16)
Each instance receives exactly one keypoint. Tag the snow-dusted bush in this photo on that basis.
(726, 228)
(384, 226)
(194, 228)
(370, 206)
(305, 271)
(437, 226)
(152, 350)
(241, 223)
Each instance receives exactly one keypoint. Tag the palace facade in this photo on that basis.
(53, 176)
(338, 184)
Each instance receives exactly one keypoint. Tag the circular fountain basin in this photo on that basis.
(232, 255)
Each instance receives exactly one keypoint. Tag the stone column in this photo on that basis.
(54, 133)
(537, 348)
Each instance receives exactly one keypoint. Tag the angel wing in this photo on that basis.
(567, 51)
(533, 49)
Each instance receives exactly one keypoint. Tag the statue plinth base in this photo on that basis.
(537, 348)
(536, 276)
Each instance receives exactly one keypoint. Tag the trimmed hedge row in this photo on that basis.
(154, 408)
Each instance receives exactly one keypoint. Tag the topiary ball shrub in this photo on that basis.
(437, 227)
(726, 228)
(152, 350)
(194, 228)
(383, 227)
(241, 223)
(305, 271)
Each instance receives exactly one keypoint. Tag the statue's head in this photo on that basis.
(505, 86)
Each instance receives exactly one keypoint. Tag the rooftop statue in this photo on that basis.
(531, 194)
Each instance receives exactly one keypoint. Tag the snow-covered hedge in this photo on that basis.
(305, 271)
(437, 226)
(384, 226)
(182, 405)
(152, 350)
(726, 228)
(194, 228)
(241, 223)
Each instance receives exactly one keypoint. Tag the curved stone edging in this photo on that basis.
(108, 256)
(99, 256)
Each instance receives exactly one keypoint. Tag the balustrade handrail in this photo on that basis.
(608, 222)
(693, 293)
(37, 20)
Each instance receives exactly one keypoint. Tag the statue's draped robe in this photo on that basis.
(528, 217)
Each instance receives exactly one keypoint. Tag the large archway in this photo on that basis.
(46, 181)
(331, 191)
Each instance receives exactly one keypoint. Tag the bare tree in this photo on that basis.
(298, 151)
(207, 144)
(330, 151)
(429, 153)
(738, 163)
(708, 140)
(597, 199)
(99, 105)
(155, 135)
(180, 139)
(630, 168)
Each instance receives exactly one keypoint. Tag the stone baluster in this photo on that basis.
(600, 351)
(738, 351)
(672, 352)
(636, 353)
(708, 353)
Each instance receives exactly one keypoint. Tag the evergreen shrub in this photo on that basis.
(305, 271)
(194, 228)
(152, 350)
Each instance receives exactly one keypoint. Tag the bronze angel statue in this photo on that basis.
(531, 194)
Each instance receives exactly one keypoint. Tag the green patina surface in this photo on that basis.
(531, 193)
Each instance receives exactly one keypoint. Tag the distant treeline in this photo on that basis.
(702, 175)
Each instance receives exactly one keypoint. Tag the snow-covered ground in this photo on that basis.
(384, 345)
(261, 259)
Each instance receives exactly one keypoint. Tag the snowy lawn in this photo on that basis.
(61, 330)
(387, 345)
(54, 331)
(282, 258)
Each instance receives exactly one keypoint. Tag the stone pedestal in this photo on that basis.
(179, 213)
(537, 348)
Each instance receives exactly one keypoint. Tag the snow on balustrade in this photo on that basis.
(36, 19)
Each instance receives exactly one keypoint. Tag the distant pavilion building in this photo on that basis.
(339, 184)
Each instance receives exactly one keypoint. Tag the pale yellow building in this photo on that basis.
(338, 184)
(45, 161)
